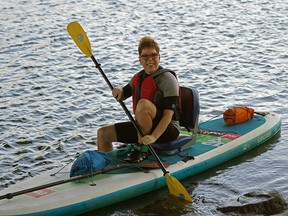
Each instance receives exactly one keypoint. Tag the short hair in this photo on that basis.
(147, 42)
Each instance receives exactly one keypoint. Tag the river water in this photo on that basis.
(52, 98)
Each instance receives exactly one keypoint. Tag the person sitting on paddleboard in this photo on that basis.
(155, 95)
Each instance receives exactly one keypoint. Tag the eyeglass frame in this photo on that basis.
(153, 56)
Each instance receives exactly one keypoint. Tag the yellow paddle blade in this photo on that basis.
(80, 38)
(176, 188)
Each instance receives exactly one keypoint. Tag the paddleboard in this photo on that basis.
(215, 143)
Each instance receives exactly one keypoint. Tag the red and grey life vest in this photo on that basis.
(145, 88)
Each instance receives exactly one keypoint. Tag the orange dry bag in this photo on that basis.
(238, 115)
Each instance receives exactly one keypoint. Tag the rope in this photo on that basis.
(53, 174)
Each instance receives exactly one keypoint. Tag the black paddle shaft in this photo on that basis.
(98, 66)
(40, 187)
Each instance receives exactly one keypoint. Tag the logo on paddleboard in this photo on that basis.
(80, 38)
(40, 193)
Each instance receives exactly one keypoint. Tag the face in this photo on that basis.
(149, 59)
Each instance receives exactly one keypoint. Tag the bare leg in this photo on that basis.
(105, 136)
(145, 113)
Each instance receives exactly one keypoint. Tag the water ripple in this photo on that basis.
(52, 98)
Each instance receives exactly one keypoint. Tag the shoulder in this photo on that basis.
(168, 76)
(163, 71)
(168, 84)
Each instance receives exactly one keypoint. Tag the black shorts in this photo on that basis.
(127, 133)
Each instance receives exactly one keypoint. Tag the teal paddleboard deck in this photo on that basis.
(215, 143)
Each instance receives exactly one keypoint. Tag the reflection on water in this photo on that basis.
(52, 99)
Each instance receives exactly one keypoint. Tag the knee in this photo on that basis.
(106, 134)
(143, 105)
(100, 133)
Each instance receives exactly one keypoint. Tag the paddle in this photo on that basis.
(80, 38)
(142, 166)
(40, 187)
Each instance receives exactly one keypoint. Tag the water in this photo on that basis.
(52, 99)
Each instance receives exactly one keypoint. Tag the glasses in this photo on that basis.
(153, 56)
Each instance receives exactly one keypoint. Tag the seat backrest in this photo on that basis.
(190, 107)
(189, 116)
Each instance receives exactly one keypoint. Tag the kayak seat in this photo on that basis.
(173, 147)
(190, 109)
